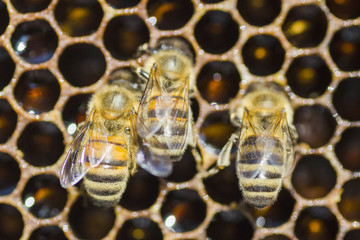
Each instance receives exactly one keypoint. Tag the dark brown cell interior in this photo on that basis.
(7, 66)
(276, 237)
(347, 149)
(346, 99)
(349, 204)
(11, 222)
(218, 81)
(9, 174)
(313, 184)
(122, 3)
(314, 124)
(26, 6)
(229, 225)
(212, 1)
(170, 14)
(352, 235)
(82, 64)
(34, 41)
(37, 91)
(308, 76)
(259, 12)
(216, 32)
(345, 9)
(183, 210)
(263, 54)
(305, 26)
(42, 143)
(345, 48)
(141, 192)
(8, 120)
(185, 169)
(90, 222)
(47, 233)
(195, 108)
(139, 228)
(77, 17)
(316, 223)
(124, 35)
(4, 17)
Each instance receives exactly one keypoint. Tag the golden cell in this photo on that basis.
(9, 174)
(345, 9)
(259, 12)
(8, 120)
(139, 229)
(48, 233)
(26, 6)
(347, 149)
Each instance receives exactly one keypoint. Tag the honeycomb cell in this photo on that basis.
(314, 124)
(263, 54)
(4, 17)
(316, 223)
(352, 235)
(34, 41)
(308, 76)
(78, 18)
(141, 192)
(212, 1)
(349, 204)
(313, 184)
(123, 36)
(185, 169)
(37, 91)
(216, 32)
(82, 64)
(48, 233)
(26, 6)
(345, 48)
(229, 225)
(9, 174)
(7, 66)
(346, 99)
(139, 228)
(195, 108)
(223, 187)
(259, 12)
(42, 143)
(8, 121)
(183, 210)
(216, 131)
(345, 9)
(218, 81)
(12, 223)
(347, 149)
(90, 222)
(122, 3)
(170, 14)
(305, 26)
(276, 237)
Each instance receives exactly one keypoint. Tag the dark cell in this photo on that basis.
(26, 6)
(349, 204)
(123, 3)
(345, 9)
(82, 64)
(346, 99)
(7, 66)
(195, 108)
(276, 237)
(352, 235)
(216, 32)
(11, 222)
(185, 169)
(48, 233)
(211, 1)
(4, 17)
(259, 12)
(9, 174)
(8, 120)
(34, 41)
(347, 149)
(139, 228)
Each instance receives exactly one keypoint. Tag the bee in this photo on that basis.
(265, 142)
(164, 119)
(103, 151)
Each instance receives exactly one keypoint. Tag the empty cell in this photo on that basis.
(259, 12)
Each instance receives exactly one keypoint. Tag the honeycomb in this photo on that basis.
(55, 53)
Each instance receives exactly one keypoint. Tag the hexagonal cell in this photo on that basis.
(78, 18)
(90, 222)
(26, 6)
(305, 26)
(48, 233)
(276, 237)
(314, 124)
(122, 3)
(348, 9)
(170, 14)
(218, 81)
(216, 32)
(12, 222)
(316, 223)
(345, 48)
(346, 99)
(82, 64)
(185, 169)
(259, 13)
(212, 1)
(42, 143)
(141, 192)
(313, 184)
(308, 76)
(37, 91)
(263, 54)
(124, 35)
(8, 120)
(230, 225)
(183, 210)
(4, 17)
(352, 235)
(139, 228)
(195, 108)
(9, 174)
(7, 66)
(349, 204)
(34, 41)
(347, 149)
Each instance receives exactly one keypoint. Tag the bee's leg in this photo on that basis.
(190, 134)
(224, 156)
